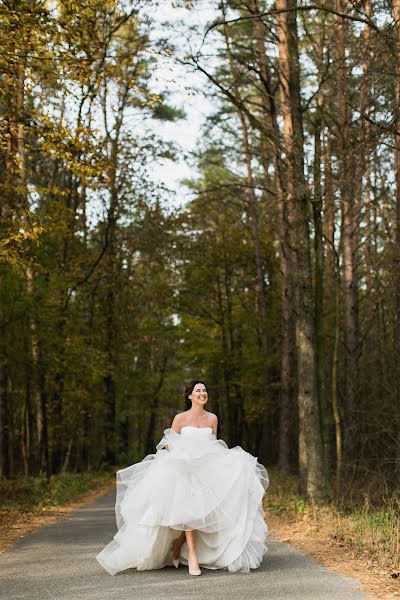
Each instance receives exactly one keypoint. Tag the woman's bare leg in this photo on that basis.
(191, 542)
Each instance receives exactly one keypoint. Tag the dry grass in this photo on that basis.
(359, 538)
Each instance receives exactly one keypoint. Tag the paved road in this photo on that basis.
(57, 562)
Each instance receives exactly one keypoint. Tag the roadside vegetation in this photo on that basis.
(365, 521)
(26, 504)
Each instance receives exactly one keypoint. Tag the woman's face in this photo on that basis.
(199, 394)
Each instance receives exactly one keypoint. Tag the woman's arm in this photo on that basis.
(176, 426)
(215, 425)
(177, 423)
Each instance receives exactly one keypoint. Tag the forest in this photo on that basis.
(277, 283)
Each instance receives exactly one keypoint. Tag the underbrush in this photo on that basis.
(366, 523)
(37, 493)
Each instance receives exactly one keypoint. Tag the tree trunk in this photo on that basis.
(332, 300)
(154, 402)
(396, 11)
(225, 405)
(253, 212)
(255, 229)
(319, 291)
(287, 350)
(337, 417)
(350, 250)
(110, 395)
(108, 380)
(310, 447)
(4, 416)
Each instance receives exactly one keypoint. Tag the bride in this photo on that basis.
(195, 485)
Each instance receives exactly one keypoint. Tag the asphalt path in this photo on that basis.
(57, 562)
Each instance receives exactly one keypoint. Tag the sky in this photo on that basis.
(185, 90)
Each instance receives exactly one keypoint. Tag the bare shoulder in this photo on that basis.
(213, 418)
(178, 418)
(178, 421)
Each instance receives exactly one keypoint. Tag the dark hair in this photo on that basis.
(189, 390)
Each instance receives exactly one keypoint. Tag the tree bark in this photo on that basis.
(109, 380)
(253, 212)
(396, 11)
(286, 258)
(154, 402)
(319, 265)
(310, 446)
(4, 416)
(349, 246)
(332, 300)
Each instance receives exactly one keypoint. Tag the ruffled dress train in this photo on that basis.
(201, 484)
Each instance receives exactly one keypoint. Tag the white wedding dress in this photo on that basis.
(201, 484)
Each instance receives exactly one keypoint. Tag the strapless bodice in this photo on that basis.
(192, 442)
(187, 428)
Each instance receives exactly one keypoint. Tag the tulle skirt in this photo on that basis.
(200, 484)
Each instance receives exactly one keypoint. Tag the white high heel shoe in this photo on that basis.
(193, 571)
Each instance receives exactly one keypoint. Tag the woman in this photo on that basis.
(194, 484)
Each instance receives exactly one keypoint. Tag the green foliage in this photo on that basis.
(85, 298)
(110, 299)
(16, 245)
(37, 493)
